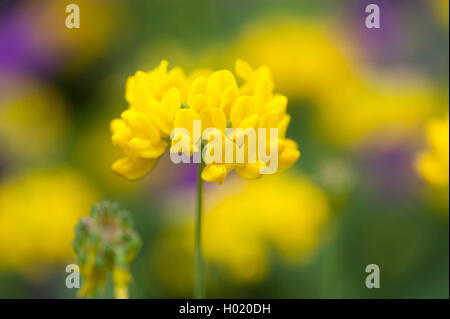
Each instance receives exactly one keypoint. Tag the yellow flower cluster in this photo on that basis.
(433, 164)
(240, 232)
(161, 100)
(37, 215)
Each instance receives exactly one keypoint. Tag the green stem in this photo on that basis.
(199, 272)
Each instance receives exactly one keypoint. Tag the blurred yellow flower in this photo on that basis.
(433, 164)
(80, 45)
(309, 59)
(378, 104)
(38, 213)
(25, 130)
(239, 232)
(161, 101)
(302, 54)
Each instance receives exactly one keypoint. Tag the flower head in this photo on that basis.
(165, 106)
(142, 131)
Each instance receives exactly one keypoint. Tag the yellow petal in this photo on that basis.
(161, 68)
(288, 157)
(291, 143)
(199, 103)
(154, 152)
(143, 148)
(270, 119)
(217, 83)
(142, 95)
(281, 145)
(118, 125)
(283, 126)
(243, 107)
(214, 173)
(133, 169)
(263, 92)
(177, 79)
(141, 125)
(243, 69)
(137, 89)
(121, 138)
(278, 103)
(197, 88)
(121, 134)
(185, 118)
(159, 116)
(129, 89)
(120, 131)
(138, 144)
(249, 170)
(213, 117)
(250, 122)
(171, 102)
(227, 99)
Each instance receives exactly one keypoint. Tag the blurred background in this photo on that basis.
(369, 110)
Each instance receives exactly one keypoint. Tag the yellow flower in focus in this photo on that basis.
(163, 106)
(142, 131)
(209, 100)
(143, 87)
(433, 164)
(38, 212)
(261, 108)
